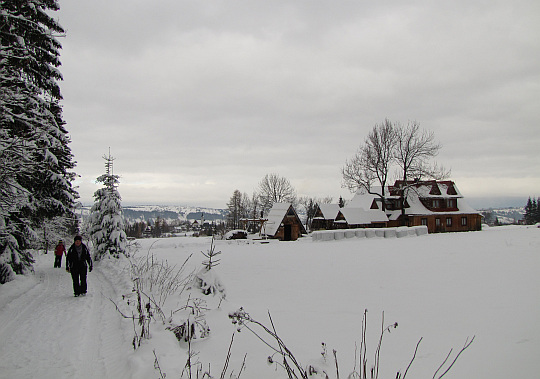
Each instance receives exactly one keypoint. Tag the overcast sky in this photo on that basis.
(199, 98)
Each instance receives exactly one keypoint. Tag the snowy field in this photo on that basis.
(444, 288)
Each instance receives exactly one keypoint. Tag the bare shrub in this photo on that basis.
(153, 281)
(294, 369)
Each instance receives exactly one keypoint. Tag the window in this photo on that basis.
(464, 221)
(436, 203)
(449, 221)
(452, 203)
(424, 221)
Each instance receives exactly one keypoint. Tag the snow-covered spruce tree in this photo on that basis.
(529, 212)
(106, 221)
(206, 279)
(532, 211)
(536, 210)
(35, 159)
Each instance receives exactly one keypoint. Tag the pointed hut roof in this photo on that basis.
(329, 211)
(276, 215)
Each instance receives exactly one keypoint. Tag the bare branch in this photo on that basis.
(226, 365)
(414, 356)
(467, 344)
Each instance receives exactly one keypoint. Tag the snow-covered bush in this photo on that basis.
(236, 234)
(153, 282)
(209, 283)
(206, 279)
(157, 280)
(194, 327)
(189, 322)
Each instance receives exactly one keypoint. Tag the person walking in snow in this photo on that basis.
(77, 262)
(58, 252)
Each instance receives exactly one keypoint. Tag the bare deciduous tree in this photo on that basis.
(275, 189)
(415, 148)
(369, 168)
(389, 146)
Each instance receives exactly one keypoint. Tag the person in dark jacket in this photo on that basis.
(58, 252)
(77, 262)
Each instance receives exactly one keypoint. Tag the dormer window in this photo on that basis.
(436, 203)
(435, 189)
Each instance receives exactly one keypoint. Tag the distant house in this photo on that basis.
(437, 204)
(147, 233)
(325, 215)
(283, 223)
(353, 215)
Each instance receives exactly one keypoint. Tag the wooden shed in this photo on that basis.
(325, 215)
(283, 223)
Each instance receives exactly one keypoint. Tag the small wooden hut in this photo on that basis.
(283, 223)
(325, 216)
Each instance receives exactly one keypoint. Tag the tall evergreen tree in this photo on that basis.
(532, 215)
(529, 212)
(106, 221)
(35, 158)
(536, 210)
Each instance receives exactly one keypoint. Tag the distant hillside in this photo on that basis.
(503, 215)
(169, 213)
(184, 213)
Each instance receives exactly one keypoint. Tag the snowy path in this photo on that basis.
(46, 332)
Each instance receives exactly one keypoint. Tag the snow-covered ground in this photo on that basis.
(445, 288)
(46, 332)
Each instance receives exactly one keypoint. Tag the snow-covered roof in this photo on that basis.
(422, 190)
(329, 211)
(434, 189)
(275, 217)
(416, 207)
(360, 216)
(361, 200)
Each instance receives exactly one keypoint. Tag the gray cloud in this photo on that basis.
(198, 99)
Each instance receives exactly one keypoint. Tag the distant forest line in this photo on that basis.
(130, 214)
